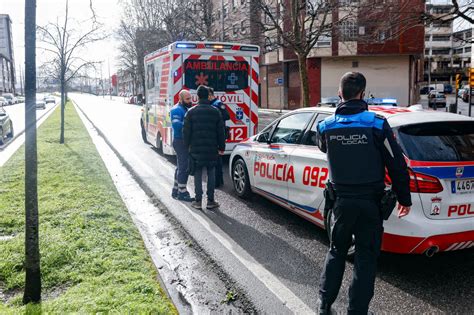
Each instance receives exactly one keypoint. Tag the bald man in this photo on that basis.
(181, 174)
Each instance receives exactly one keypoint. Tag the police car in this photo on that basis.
(283, 163)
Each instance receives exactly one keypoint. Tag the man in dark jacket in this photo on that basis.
(360, 145)
(216, 102)
(204, 136)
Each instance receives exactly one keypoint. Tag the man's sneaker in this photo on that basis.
(197, 204)
(174, 193)
(185, 197)
(211, 204)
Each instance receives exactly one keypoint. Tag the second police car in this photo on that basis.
(283, 164)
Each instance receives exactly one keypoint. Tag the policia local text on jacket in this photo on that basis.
(359, 146)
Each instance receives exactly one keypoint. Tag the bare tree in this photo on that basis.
(64, 39)
(32, 292)
(298, 25)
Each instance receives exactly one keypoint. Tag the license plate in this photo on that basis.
(462, 186)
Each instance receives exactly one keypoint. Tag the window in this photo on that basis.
(442, 24)
(355, 64)
(221, 75)
(311, 136)
(441, 51)
(446, 141)
(150, 76)
(468, 49)
(458, 51)
(441, 38)
(290, 128)
(348, 30)
(427, 38)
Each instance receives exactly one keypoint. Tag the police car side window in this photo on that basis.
(311, 137)
(290, 128)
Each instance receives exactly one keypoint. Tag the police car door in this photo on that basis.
(271, 170)
(310, 165)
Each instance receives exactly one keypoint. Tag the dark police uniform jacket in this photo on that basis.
(360, 145)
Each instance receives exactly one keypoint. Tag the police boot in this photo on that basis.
(174, 193)
(185, 197)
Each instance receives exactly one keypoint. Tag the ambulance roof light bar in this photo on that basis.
(185, 45)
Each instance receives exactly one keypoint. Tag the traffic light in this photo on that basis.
(458, 81)
(471, 78)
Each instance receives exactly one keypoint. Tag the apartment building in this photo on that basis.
(390, 58)
(7, 60)
(462, 49)
(439, 62)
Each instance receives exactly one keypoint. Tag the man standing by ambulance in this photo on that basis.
(360, 146)
(216, 102)
(181, 175)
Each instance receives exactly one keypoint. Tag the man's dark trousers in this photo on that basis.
(211, 181)
(361, 218)
(181, 174)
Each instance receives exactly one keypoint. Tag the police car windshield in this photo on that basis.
(439, 141)
(221, 75)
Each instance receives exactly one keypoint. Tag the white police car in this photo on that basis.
(283, 164)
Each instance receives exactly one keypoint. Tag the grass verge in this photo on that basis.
(93, 258)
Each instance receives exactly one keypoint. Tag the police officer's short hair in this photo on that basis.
(211, 91)
(352, 83)
(203, 92)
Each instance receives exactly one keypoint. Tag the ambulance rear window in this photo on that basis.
(221, 75)
(438, 141)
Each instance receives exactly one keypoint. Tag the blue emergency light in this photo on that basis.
(183, 45)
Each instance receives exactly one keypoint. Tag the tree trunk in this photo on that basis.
(32, 292)
(63, 104)
(304, 80)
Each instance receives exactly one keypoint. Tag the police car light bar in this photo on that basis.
(389, 100)
(248, 48)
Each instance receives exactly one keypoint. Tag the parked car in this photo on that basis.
(10, 98)
(461, 92)
(21, 99)
(448, 89)
(331, 101)
(425, 90)
(50, 99)
(40, 105)
(436, 98)
(6, 126)
(465, 95)
(3, 101)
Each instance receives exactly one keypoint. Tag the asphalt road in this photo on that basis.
(273, 254)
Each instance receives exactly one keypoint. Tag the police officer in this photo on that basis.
(225, 116)
(181, 175)
(360, 145)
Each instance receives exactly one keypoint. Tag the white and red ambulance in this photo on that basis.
(283, 164)
(231, 69)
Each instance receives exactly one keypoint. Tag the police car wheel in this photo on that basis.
(240, 178)
(11, 133)
(329, 223)
(159, 143)
(145, 140)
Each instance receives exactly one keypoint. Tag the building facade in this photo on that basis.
(391, 61)
(462, 49)
(7, 60)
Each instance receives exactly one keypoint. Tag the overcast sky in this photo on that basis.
(49, 10)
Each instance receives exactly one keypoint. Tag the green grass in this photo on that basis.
(92, 256)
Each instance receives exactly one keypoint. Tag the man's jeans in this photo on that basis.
(211, 182)
(181, 173)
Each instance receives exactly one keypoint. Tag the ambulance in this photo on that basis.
(231, 69)
(283, 164)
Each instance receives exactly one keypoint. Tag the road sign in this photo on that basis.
(279, 81)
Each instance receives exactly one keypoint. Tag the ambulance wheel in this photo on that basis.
(159, 143)
(329, 224)
(145, 140)
(240, 179)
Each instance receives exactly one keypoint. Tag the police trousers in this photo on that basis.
(360, 218)
(181, 174)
